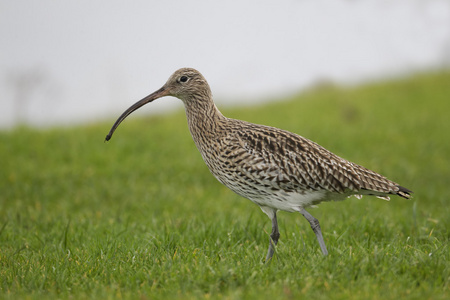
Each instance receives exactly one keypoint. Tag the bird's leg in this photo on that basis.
(274, 236)
(316, 228)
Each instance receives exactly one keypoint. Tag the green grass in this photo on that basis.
(141, 217)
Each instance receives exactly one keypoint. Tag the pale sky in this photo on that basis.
(69, 62)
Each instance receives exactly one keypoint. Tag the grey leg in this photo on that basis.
(316, 228)
(274, 236)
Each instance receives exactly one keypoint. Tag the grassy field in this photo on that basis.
(141, 217)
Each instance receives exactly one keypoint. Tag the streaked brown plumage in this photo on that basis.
(274, 168)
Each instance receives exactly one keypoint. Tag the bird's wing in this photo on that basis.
(282, 160)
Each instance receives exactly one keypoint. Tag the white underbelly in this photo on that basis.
(291, 201)
(279, 199)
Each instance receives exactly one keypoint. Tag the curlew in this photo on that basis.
(274, 168)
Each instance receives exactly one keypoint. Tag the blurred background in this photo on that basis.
(64, 63)
(142, 217)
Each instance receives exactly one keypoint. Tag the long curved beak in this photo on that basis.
(158, 94)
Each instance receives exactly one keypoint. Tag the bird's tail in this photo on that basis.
(404, 192)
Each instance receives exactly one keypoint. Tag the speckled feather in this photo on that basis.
(268, 165)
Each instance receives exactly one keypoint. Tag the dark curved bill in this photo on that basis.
(158, 94)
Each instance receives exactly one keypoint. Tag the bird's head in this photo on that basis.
(186, 84)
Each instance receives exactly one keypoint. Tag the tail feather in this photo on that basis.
(404, 192)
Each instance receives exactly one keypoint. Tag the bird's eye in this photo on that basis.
(183, 78)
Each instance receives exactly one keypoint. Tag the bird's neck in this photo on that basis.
(204, 121)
